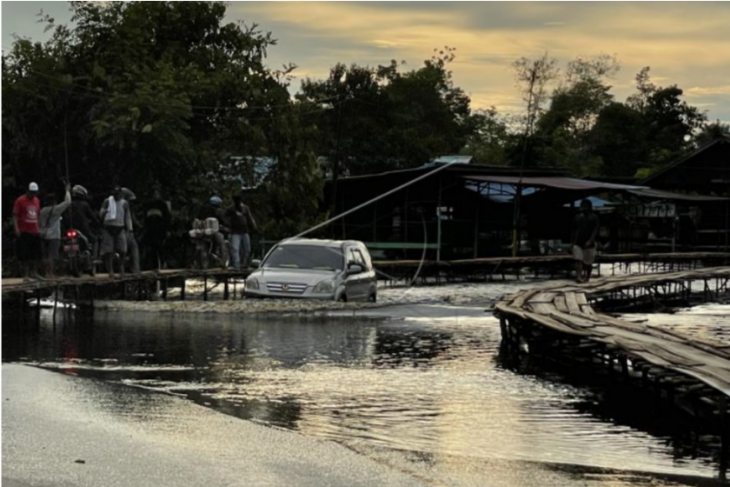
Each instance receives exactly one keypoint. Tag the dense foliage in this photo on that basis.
(168, 94)
(147, 94)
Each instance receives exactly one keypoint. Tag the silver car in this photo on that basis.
(340, 270)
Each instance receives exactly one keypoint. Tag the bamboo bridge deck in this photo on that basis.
(566, 309)
(562, 323)
(468, 268)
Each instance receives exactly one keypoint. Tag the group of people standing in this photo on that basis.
(107, 233)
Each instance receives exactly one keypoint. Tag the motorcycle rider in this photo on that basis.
(214, 210)
(83, 218)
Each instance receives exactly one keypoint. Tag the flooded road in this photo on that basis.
(425, 393)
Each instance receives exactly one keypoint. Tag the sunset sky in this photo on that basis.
(685, 43)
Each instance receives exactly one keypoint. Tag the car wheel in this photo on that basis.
(343, 298)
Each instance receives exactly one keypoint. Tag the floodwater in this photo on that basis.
(425, 392)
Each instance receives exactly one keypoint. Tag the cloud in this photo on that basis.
(702, 91)
(685, 43)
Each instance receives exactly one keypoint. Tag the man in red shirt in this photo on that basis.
(25, 220)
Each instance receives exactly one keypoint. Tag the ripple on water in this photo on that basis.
(431, 385)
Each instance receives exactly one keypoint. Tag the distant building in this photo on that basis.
(704, 225)
(467, 210)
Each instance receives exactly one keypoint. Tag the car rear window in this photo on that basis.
(306, 257)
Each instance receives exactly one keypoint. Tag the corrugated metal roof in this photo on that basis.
(667, 195)
(573, 184)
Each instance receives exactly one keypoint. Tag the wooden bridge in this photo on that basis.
(562, 323)
(488, 268)
(141, 283)
(431, 271)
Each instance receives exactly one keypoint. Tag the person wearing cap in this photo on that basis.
(26, 210)
(116, 219)
(585, 233)
(50, 229)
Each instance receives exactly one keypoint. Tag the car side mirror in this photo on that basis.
(256, 263)
(354, 268)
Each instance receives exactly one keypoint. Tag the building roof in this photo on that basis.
(588, 186)
(725, 139)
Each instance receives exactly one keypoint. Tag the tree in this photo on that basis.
(712, 131)
(670, 121)
(145, 93)
(532, 77)
(574, 109)
(619, 140)
(384, 118)
(491, 141)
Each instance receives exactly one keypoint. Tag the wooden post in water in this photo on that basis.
(205, 288)
(724, 438)
(37, 306)
(55, 306)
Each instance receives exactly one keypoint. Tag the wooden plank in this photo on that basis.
(581, 299)
(541, 308)
(556, 325)
(669, 356)
(560, 303)
(546, 297)
(576, 321)
(505, 308)
(572, 303)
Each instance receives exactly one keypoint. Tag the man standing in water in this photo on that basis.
(585, 232)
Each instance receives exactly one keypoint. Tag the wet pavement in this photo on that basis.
(422, 393)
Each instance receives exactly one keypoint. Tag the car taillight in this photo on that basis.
(72, 234)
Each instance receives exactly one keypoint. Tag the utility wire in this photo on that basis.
(377, 198)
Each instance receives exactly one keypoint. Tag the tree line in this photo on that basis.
(169, 95)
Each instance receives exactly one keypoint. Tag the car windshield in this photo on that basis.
(306, 257)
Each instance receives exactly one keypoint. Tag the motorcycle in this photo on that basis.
(204, 237)
(77, 253)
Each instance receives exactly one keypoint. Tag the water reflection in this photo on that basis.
(434, 388)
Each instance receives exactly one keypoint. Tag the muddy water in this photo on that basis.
(428, 384)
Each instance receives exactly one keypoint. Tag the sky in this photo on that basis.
(685, 43)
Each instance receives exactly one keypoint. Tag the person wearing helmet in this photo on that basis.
(214, 209)
(81, 217)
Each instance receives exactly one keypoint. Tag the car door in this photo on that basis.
(353, 282)
(370, 280)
